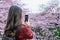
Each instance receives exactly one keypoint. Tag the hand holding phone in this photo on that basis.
(26, 18)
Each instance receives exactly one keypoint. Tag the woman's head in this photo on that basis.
(14, 11)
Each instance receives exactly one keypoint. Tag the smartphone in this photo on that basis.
(26, 18)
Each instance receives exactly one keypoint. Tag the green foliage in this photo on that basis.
(55, 31)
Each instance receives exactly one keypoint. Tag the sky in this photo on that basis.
(36, 6)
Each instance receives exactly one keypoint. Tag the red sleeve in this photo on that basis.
(25, 32)
(28, 32)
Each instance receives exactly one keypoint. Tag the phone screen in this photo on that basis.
(26, 18)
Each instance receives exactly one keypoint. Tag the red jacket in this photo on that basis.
(24, 33)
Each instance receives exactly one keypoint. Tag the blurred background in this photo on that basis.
(44, 17)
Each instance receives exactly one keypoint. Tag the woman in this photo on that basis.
(14, 23)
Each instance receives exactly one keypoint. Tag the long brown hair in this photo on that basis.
(14, 18)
